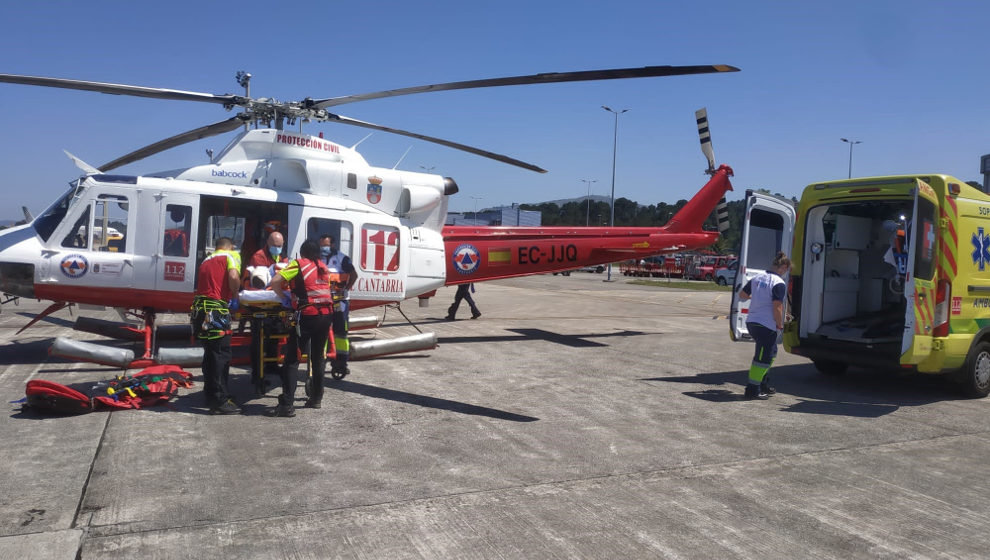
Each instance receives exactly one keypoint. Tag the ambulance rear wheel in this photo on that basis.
(830, 367)
(974, 377)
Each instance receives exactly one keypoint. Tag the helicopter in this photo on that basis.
(134, 243)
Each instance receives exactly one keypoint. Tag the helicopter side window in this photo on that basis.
(78, 236)
(110, 223)
(177, 231)
(351, 181)
(224, 226)
(342, 233)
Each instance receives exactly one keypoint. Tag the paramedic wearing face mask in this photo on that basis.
(270, 256)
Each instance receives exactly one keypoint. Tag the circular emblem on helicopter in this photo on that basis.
(466, 258)
(74, 266)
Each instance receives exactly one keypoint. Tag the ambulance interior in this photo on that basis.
(850, 287)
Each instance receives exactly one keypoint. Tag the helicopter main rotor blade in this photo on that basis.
(121, 89)
(547, 78)
(448, 143)
(179, 139)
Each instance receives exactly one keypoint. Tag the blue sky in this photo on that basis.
(908, 78)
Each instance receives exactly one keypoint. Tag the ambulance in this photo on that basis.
(887, 272)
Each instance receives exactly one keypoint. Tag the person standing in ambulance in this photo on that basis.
(309, 282)
(765, 320)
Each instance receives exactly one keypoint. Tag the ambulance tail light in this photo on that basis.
(942, 298)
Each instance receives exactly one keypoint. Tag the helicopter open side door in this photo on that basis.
(176, 241)
(919, 281)
(768, 227)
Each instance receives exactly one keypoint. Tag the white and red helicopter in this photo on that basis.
(134, 242)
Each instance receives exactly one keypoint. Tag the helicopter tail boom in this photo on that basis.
(486, 253)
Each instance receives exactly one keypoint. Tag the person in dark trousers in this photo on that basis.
(765, 320)
(270, 256)
(310, 286)
(343, 275)
(463, 292)
(219, 282)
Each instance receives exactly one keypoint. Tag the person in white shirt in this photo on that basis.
(765, 320)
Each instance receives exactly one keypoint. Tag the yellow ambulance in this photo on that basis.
(887, 272)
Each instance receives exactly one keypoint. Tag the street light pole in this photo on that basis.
(615, 145)
(476, 199)
(587, 217)
(851, 144)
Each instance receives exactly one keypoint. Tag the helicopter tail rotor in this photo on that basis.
(705, 136)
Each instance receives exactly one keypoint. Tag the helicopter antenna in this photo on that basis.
(209, 154)
(362, 140)
(244, 80)
(402, 158)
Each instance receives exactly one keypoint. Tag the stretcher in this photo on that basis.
(275, 323)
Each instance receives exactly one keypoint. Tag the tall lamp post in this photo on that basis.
(851, 144)
(587, 217)
(615, 144)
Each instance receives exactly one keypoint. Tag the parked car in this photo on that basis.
(727, 275)
(599, 268)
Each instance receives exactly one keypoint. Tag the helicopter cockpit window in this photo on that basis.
(78, 236)
(177, 230)
(110, 213)
(46, 224)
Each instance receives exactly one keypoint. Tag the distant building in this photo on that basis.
(500, 216)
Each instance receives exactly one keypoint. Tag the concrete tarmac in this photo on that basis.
(575, 419)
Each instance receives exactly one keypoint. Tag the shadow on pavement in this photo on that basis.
(427, 401)
(572, 340)
(861, 392)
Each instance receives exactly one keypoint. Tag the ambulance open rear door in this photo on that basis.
(919, 285)
(768, 227)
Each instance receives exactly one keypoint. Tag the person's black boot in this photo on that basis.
(282, 411)
(765, 388)
(753, 392)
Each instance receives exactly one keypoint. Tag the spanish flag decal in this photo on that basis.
(499, 257)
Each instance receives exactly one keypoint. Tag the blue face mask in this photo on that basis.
(326, 251)
(276, 251)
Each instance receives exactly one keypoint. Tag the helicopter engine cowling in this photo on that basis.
(416, 199)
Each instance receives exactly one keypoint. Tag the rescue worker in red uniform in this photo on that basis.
(310, 287)
(218, 282)
(270, 256)
(343, 275)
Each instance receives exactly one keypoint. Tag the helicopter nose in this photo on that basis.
(17, 279)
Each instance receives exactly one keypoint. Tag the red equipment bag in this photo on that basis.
(151, 386)
(56, 398)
